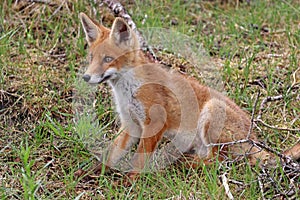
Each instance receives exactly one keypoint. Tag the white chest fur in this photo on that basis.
(124, 89)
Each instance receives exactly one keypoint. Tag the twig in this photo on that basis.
(57, 9)
(266, 100)
(261, 186)
(226, 186)
(289, 4)
(276, 128)
(48, 2)
(276, 98)
(6, 147)
(269, 149)
(228, 143)
(252, 115)
(4, 111)
(40, 1)
(120, 11)
(8, 93)
(236, 182)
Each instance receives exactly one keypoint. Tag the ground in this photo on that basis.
(253, 47)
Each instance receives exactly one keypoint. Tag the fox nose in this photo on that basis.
(86, 77)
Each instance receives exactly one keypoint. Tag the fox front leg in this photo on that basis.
(145, 149)
(120, 147)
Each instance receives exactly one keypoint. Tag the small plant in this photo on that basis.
(29, 184)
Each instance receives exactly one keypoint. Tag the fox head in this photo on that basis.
(111, 52)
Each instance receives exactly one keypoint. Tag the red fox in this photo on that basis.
(153, 103)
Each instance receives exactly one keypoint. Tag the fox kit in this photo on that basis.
(153, 103)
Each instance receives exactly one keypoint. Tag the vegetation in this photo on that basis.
(253, 46)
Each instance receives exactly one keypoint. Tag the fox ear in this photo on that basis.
(121, 33)
(91, 28)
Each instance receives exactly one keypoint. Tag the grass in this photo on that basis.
(42, 50)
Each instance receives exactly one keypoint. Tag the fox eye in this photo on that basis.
(108, 59)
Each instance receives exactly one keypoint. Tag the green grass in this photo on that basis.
(42, 54)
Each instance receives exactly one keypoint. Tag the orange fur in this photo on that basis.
(154, 103)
